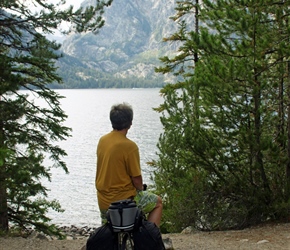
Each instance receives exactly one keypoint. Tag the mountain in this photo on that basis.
(125, 51)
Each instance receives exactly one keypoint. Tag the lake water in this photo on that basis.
(88, 116)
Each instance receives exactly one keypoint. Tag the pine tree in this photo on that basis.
(228, 117)
(29, 131)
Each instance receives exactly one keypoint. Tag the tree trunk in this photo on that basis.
(258, 153)
(3, 191)
(3, 205)
(288, 135)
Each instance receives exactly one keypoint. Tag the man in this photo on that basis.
(118, 174)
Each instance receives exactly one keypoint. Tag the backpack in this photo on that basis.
(124, 216)
(148, 236)
(102, 239)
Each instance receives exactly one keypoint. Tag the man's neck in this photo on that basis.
(123, 131)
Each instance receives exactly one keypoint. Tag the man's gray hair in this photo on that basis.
(121, 116)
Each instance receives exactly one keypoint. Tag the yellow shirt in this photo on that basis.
(117, 161)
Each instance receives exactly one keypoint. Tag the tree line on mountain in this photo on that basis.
(76, 75)
(98, 79)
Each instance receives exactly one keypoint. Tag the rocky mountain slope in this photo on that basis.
(125, 51)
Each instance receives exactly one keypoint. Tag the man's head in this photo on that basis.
(121, 116)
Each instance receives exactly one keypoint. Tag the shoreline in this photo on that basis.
(270, 236)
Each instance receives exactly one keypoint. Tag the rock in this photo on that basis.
(37, 235)
(69, 238)
(168, 244)
(188, 230)
(32, 235)
(262, 241)
(41, 236)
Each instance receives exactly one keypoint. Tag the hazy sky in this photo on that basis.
(75, 3)
(64, 26)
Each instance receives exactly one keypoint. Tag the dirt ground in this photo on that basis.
(266, 237)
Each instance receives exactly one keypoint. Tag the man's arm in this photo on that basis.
(137, 182)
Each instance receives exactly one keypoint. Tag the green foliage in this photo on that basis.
(31, 119)
(223, 157)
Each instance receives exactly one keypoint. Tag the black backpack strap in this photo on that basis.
(109, 222)
(120, 210)
(140, 216)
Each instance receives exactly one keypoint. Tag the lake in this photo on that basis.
(88, 116)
